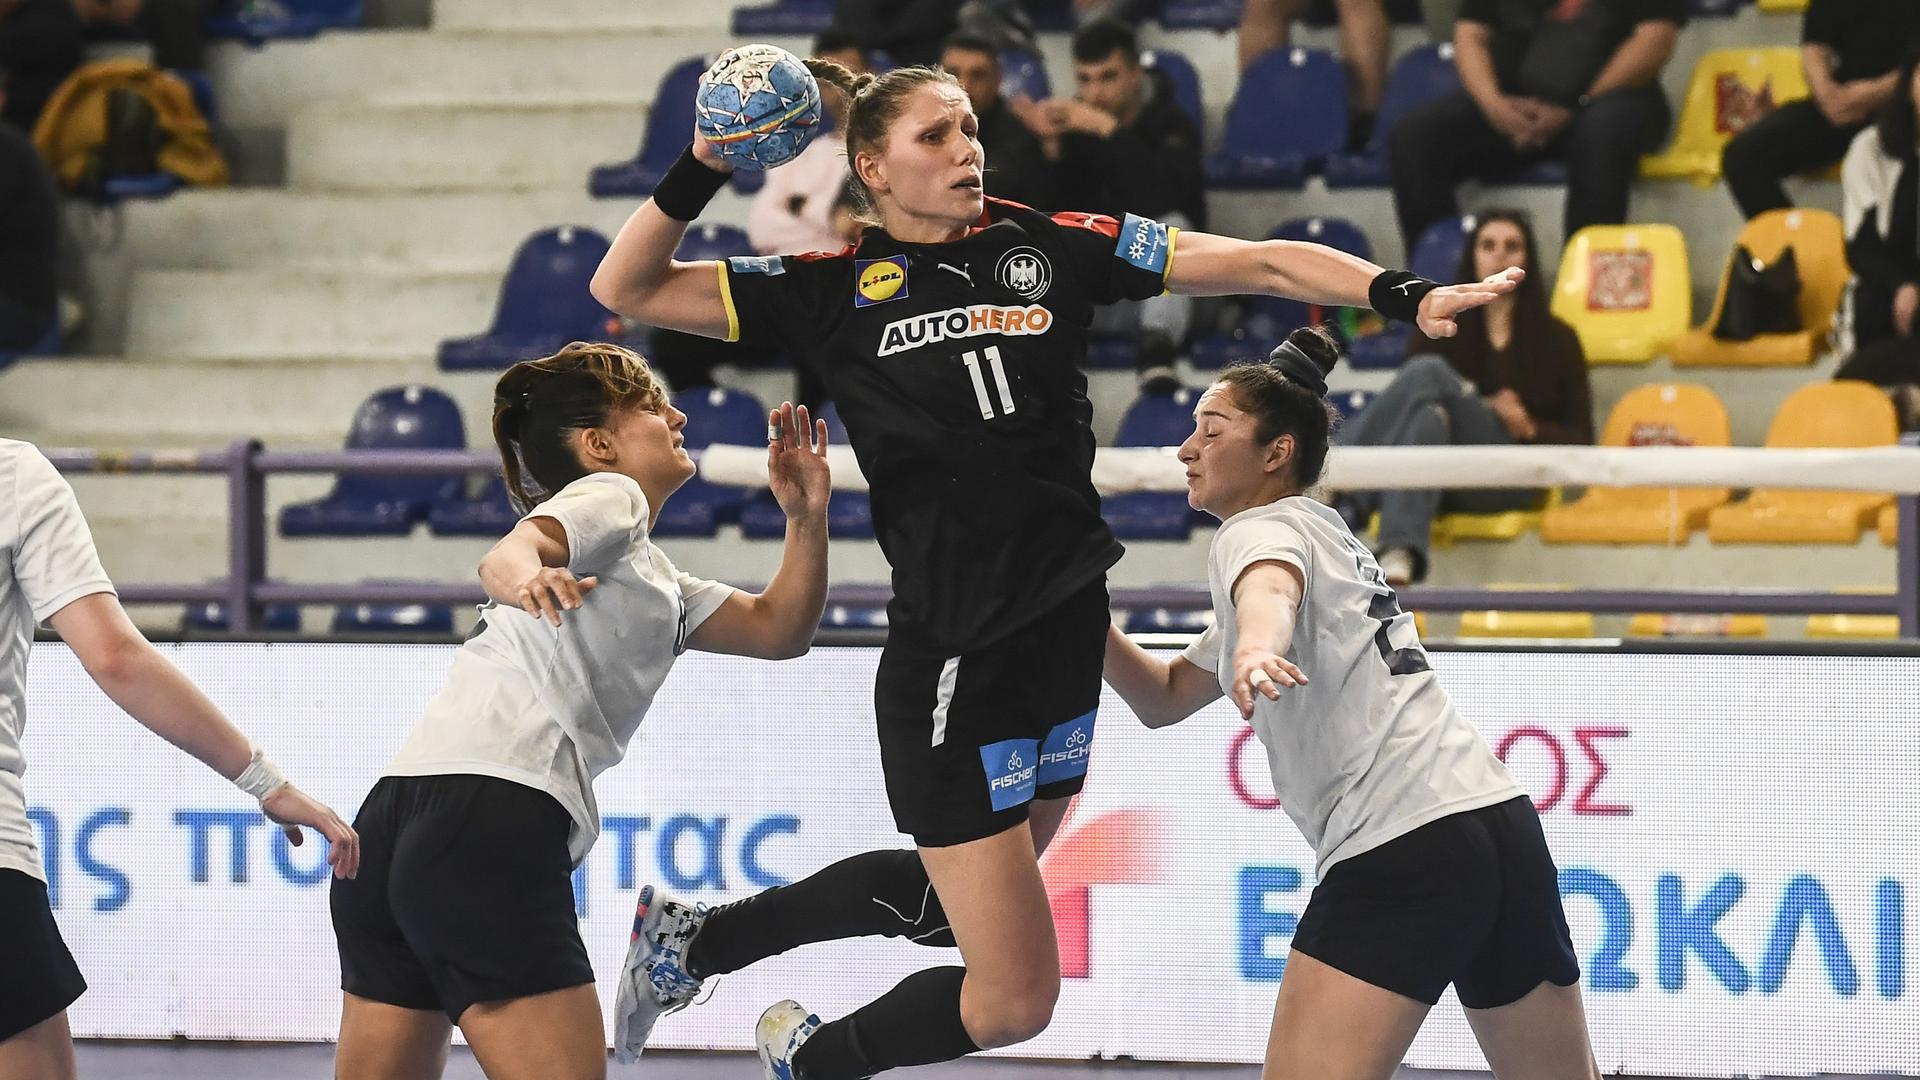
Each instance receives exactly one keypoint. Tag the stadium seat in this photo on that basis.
(1820, 254)
(386, 504)
(1348, 403)
(1267, 145)
(1153, 421)
(1730, 89)
(1186, 81)
(1267, 320)
(1023, 74)
(544, 303)
(1420, 76)
(848, 617)
(490, 513)
(1658, 414)
(1456, 528)
(1854, 627)
(1656, 625)
(849, 513)
(714, 415)
(1168, 621)
(1827, 414)
(784, 17)
(1527, 624)
(709, 241)
(1436, 256)
(1889, 527)
(666, 135)
(1715, 9)
(259, 22)
(158, 184)
(392, 619)
(211, 618)
(48, 345)
(1782, 7)
(1200, 14)
(1626, 290)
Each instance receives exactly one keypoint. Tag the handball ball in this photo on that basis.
(758, 106)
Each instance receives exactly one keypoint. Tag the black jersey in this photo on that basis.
(957, 369)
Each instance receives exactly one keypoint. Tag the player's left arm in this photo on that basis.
(1266, 604)
(1206, 264)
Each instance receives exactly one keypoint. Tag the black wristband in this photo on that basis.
(1397, 294)
(687, 187)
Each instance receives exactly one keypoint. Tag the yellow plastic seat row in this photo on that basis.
(1729, 90)
(1527, 624)
(1820, 255)
(1658, 625)
(1626, 290)
(1455, 528)
(1829, 414)
(1782, 7)
(1854, 627)
(1658, 414)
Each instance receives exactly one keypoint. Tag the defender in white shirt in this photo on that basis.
(1432, 865)
(49, 572)
(464, 910)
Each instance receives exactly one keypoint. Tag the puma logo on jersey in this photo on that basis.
(903, 335)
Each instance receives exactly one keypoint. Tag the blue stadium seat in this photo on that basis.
(714, 415)
(845, 617)
(1200, 14)
(1348, 403)
(544, 303)
(392, 619)
(1166, 621)
(1186, 81)
(1022, 74)
(668, 123)
(259, 21)
(1437, 257)
(490, 513)
(1111, 351)
(211, 617)
(849, 513)
(48, 345)
(1156, 420)
(386, 504)
(1268, 145)
(1269, 319)
(1715, 9)
(715, 242)
(784, 17)
(1420, 76)
(158, 185)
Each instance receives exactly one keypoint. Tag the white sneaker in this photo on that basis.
(1397, 565)
(653, 984)
(783, 1028)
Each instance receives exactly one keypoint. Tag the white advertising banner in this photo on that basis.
(1738, 840)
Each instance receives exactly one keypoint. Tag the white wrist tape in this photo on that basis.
(261, 777)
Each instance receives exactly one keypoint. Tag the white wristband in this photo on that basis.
(260, 778)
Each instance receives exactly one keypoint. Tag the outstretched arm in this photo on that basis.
(640, 278)
(1159, 692)
(1266, 605)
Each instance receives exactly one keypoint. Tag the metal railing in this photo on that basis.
(245, 591)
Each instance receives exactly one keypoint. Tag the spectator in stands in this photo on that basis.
(29, 243)
(1513, 374)
(1544, 80)
(908, 31)
(40, 45)
(1018, 169)
(1878, 181)
(793, 213)
(1851, 51)
(1364, 41)
(177, 29)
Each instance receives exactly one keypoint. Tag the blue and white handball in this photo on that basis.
(758, 105)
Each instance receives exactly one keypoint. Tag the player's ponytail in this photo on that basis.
(539, 404)
(1287, 395)
(836, 75)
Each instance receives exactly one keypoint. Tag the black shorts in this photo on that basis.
(40, 978)
(1472, 899)
(967, 742)
(465, 895)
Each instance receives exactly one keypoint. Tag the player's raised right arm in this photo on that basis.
(640, 278)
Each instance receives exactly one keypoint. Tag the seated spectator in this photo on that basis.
(176, 29)
(793, 212)
(909, 31)
(1017, 168)
(40, 45)
(29, 243)
(1364, 41)
(1124, 145)
(1513, 374)
(1544, 80)
(1851, 51)
(1877, 203)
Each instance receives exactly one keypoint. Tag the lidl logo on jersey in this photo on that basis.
(1145, 243)
(1064, 753)
(902, 335)
(878, 280)
(1013, 768)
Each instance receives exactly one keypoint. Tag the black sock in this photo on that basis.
(915, 1023)
(880, 892)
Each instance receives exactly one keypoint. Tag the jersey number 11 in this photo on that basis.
(972, 360)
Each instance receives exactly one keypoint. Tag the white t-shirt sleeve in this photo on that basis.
(700, 597)
(1203, 652)
(53, 555)
(604, 515)
(1259, 540)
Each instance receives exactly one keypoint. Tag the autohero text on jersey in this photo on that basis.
(902, 335)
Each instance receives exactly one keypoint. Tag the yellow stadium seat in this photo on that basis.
(1730, 89)
(1527, 624)
(1783, 7)
(1820, 254)
(1829, 414)
(1451, 529)
(1626, 290)
(1652, 624)
(1855, 627)
(1889, 532)
(1658, 414)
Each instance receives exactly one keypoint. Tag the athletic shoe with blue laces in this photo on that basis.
(653, 983)
(783, 1028)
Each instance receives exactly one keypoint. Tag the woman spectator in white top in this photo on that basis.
(49, 572)
(464, 909)
(1431, 862)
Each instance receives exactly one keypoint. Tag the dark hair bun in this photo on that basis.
(1307, 357)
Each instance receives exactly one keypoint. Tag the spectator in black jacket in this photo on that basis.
(1851, 51)
(40, 45)
(1017, 168)
(29, 243)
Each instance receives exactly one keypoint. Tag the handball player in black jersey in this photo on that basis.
(952, 338)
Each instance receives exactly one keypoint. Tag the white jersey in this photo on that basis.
(47, 561)
(1371, 748)
(554, 707)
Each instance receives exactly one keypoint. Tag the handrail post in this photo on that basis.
(246, 535)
